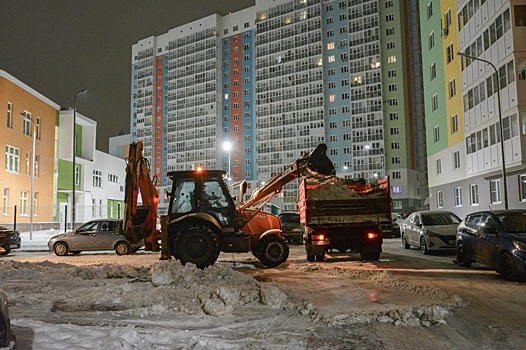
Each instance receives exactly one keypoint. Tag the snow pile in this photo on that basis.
(420, 315)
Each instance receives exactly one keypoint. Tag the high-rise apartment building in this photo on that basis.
(467, 99)
(274, 80)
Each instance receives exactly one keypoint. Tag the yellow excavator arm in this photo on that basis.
(315, 162)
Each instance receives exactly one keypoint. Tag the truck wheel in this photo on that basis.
(198, 244)
(272, 250)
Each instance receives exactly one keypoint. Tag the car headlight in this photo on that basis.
(519, 246)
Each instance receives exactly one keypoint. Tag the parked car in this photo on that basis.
(290, 226)
(392, 229)
(9, 239)
(430, 230)
(101, 234)
(7, 337)
(496, 239)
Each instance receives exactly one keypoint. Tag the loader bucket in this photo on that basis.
(319, 162)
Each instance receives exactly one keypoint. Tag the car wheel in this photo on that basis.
(404, 242)
(122, 248)
(462, 258)
(320, 257)
(6, 251)
(507, 267)
(272, 250)
(198, 244)
(61, 249)
(423, 246)
(311, 257)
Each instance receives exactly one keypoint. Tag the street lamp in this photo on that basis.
(504, 181)
(227, 146)
(74, 156)
(32, 199)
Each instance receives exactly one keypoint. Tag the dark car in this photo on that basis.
(430, 231)
(7, 337)
(101, 234)
(496, 239)
(290, 226)
(392, 229)
(9, 239)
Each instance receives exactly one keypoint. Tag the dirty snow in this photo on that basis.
(170, 306)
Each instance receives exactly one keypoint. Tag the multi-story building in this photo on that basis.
(468, 99)
(27, 170)
(99, 177)
(275, 80)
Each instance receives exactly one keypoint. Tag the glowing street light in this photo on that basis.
(504, 181)
(227, 146)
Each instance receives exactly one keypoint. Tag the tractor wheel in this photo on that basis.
(272, 250)
(197, 243)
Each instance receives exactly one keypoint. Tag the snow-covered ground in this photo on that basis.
(164, 305)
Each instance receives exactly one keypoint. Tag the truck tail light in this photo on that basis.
(373, 235)
(319, 237)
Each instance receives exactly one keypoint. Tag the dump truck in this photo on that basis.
(343, 215)
(203, 217)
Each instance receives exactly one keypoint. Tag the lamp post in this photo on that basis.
(504, 180)
(74, 157)
(33, 159)
(227, 146)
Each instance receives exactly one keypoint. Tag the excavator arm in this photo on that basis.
(140, 220)
(315, 162)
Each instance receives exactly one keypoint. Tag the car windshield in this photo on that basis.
(290, 219)
(440, 219)
(513, 222)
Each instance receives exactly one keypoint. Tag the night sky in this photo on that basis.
(60, 47)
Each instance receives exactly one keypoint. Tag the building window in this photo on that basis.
(522, 185)
(440, 199)
(429, 10)
(397, 175)
(452, 88)
(27, 124)
(458, 196)
(389, 3)
(431, 40)
(395, 160)
(433, 71)
(389, 31)
(438, 166)
(9, 115)
(393, 116)
(434, 104)
(456, 160)
(77, 175)
(389, 17)
(454, 124)
(97, 178)
(436, 134)
(6, 201)
(450, 53)
(12, 159)
(24, 195)
(390, 45)
(391, 59)
(494, 191)
(474, 195)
